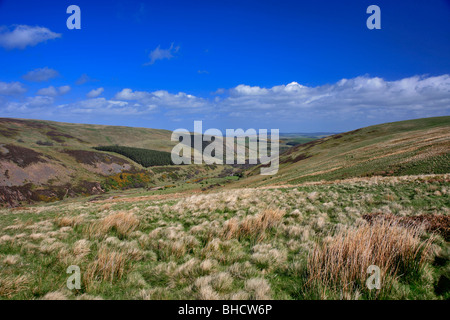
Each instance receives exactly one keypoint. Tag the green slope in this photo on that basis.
(28, 132)
(46, 160)
(418, 146)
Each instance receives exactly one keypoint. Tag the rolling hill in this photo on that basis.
(48, 161)
(418, 146)
(284, 240)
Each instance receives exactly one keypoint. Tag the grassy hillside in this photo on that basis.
(408, 147)
(28, 132)
(307, 242)
(44, 160)
(48, 161)
(190, 238)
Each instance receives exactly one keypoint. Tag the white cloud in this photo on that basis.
(128, 94)
(358, 97)
(64, 89)
(346, 103)
(247, 90)
(95, 93)
(22, 36)
(102, 106)
(50, 91)
(11, 88)
(41, 74)
(160, 54)
(39, 101)
(30, 103)
(164, 99)
(53, 92)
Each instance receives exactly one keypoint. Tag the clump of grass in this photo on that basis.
(11, 285)
(122, 222)
(252, 226)
(338, 267)
(109, 266)
(69, 221)
(258, 288)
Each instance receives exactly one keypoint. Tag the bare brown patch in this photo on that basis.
(21, 156)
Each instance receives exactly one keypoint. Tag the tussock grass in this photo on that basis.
(305, 242)
(109, 266)
(11, 285)
(259, 289)
(122, 222)
(338, 267)
(252, 226)
(69, 221)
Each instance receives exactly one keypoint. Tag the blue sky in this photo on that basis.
(298, 66)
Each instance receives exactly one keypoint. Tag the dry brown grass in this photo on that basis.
(253, 226)
(69, 221)
(11, 259)
(258, 288)
(110, 265)
(12, 285)
(437, 223)
(122, 222)
(339, 265)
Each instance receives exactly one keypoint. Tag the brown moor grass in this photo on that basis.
(339, 265)
(437, 223)
(109, 266)
(252, 225)
(122, 222)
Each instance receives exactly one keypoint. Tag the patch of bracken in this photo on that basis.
(439, 224)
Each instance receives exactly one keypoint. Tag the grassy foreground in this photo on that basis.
(312, 241)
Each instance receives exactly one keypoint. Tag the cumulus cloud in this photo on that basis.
(64, 89)
(164, 99)
(362, 96)
(102, 106)
(41, 74)
(53, 92)
(30, 104)
(344, 104)
(95, 93)
(11, 88)
(161, 54)
(21, 36)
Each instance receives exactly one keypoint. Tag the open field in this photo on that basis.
(296, 242)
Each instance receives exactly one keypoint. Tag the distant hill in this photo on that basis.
(46, 160)
(418, 146)
(29, 132)
(49, 161)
